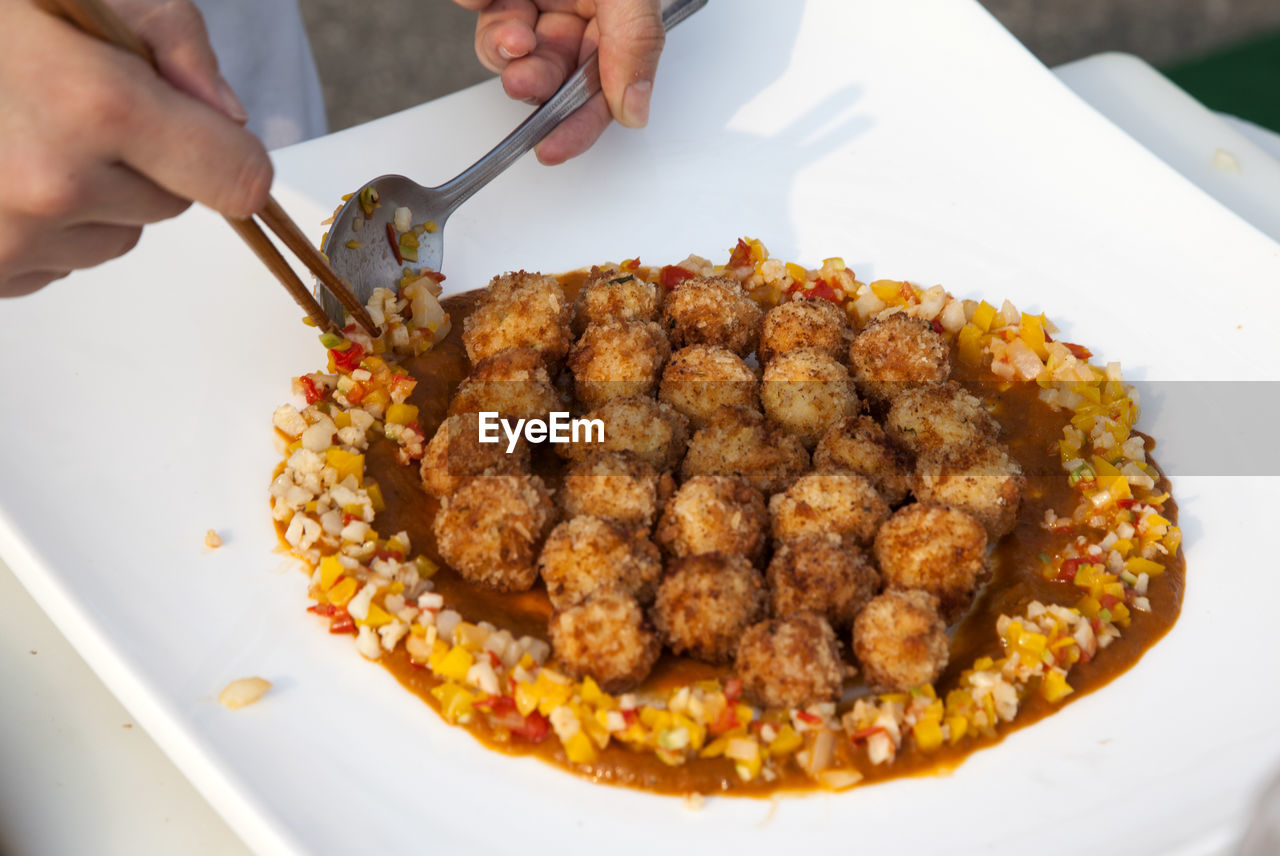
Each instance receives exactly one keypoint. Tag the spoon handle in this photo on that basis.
(574, 93)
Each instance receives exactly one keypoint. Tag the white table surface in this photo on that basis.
(78, 776)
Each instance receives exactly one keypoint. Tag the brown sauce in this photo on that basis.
(1030, 429)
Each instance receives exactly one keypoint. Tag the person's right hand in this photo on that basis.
(94, 144)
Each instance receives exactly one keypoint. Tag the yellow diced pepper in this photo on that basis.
(378, 616)
(1054, 688)
(957, 725)
(402, 414)
(346, 463)
(330, 570)
(1139, 565)
(375, 496)
(343, 591)
(928, 734)
(970, 344)
(455, 665)
(579, 749)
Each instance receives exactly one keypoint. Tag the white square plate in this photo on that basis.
(916, 139)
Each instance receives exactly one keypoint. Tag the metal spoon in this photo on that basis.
(364, 257)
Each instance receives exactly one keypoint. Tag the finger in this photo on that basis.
(186, 147)
(84, 246)
(26, 283)
(631, 40)
(537, 76)
(473, 5)
(122, 196)
(177, 36)
(575, 134)
(505, 31)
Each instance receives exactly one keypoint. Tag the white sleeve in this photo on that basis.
(263, 52)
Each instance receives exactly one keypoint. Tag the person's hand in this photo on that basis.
(536, 44)
(94, 144)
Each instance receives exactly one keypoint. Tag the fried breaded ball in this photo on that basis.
(605, 636)
(617, 358)
(456, 453)
(714, 514)
(840, 503)
(701, 378)
(519, 310)
(652, 430)
(514, 383)
(738, 442)
(588, 554)
(613, 295)
(705, 603)
(616, 485)
(790, 662)
(797, 324)
(935, 549)
(820, 573)
(805, 391)
(900, 641)
(490, 528)
(859, 445)
(897, 352)
(981, 479)
(924, 419)
(712, 310)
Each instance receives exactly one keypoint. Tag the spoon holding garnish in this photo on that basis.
(393, 221)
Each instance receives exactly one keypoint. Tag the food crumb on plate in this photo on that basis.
(212, 539)
(242, 692)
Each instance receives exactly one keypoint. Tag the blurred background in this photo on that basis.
(382, 56)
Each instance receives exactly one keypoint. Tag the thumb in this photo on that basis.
(176, 34)
(631, 40)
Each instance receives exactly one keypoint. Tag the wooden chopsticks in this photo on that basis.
(101, 22)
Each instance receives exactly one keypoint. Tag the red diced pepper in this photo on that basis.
(806, 716)
(631, 264)
(1080, 352)
(310, 391)
(741, 255)
(733, 689)
(937, 326)
(863, 734)
(726, 721)
(394, 241)
(823, 290)
(348, 360)
(672, 275)
(390, 554)
(325, 609)
(1067, 573)
(908, 294)
(1108, 601)
(342, 622)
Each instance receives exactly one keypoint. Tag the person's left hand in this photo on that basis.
(537, 44)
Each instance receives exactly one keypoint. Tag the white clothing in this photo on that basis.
(263, 52)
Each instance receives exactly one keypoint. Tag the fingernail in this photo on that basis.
(231, 105)
(506, 54)
(635, 104)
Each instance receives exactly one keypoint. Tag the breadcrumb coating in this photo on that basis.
(738, 442)
(936, 549)
(606, 637)
(588, 554)
(490, 528)
(705, 603)
(519, 310)
(614, 295)
(980, 478)
(818, 324)
(714, 514)
(701, 378)
(614, 359)
(805, 391)
(616, 485)
(840, 503)
(900, 641)
(455, 453)
(822, 574)
(712, 310)
(933, 417)
(897, 352)
(859, 445)
(790, 662)
(514, 383)
(652, 430)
